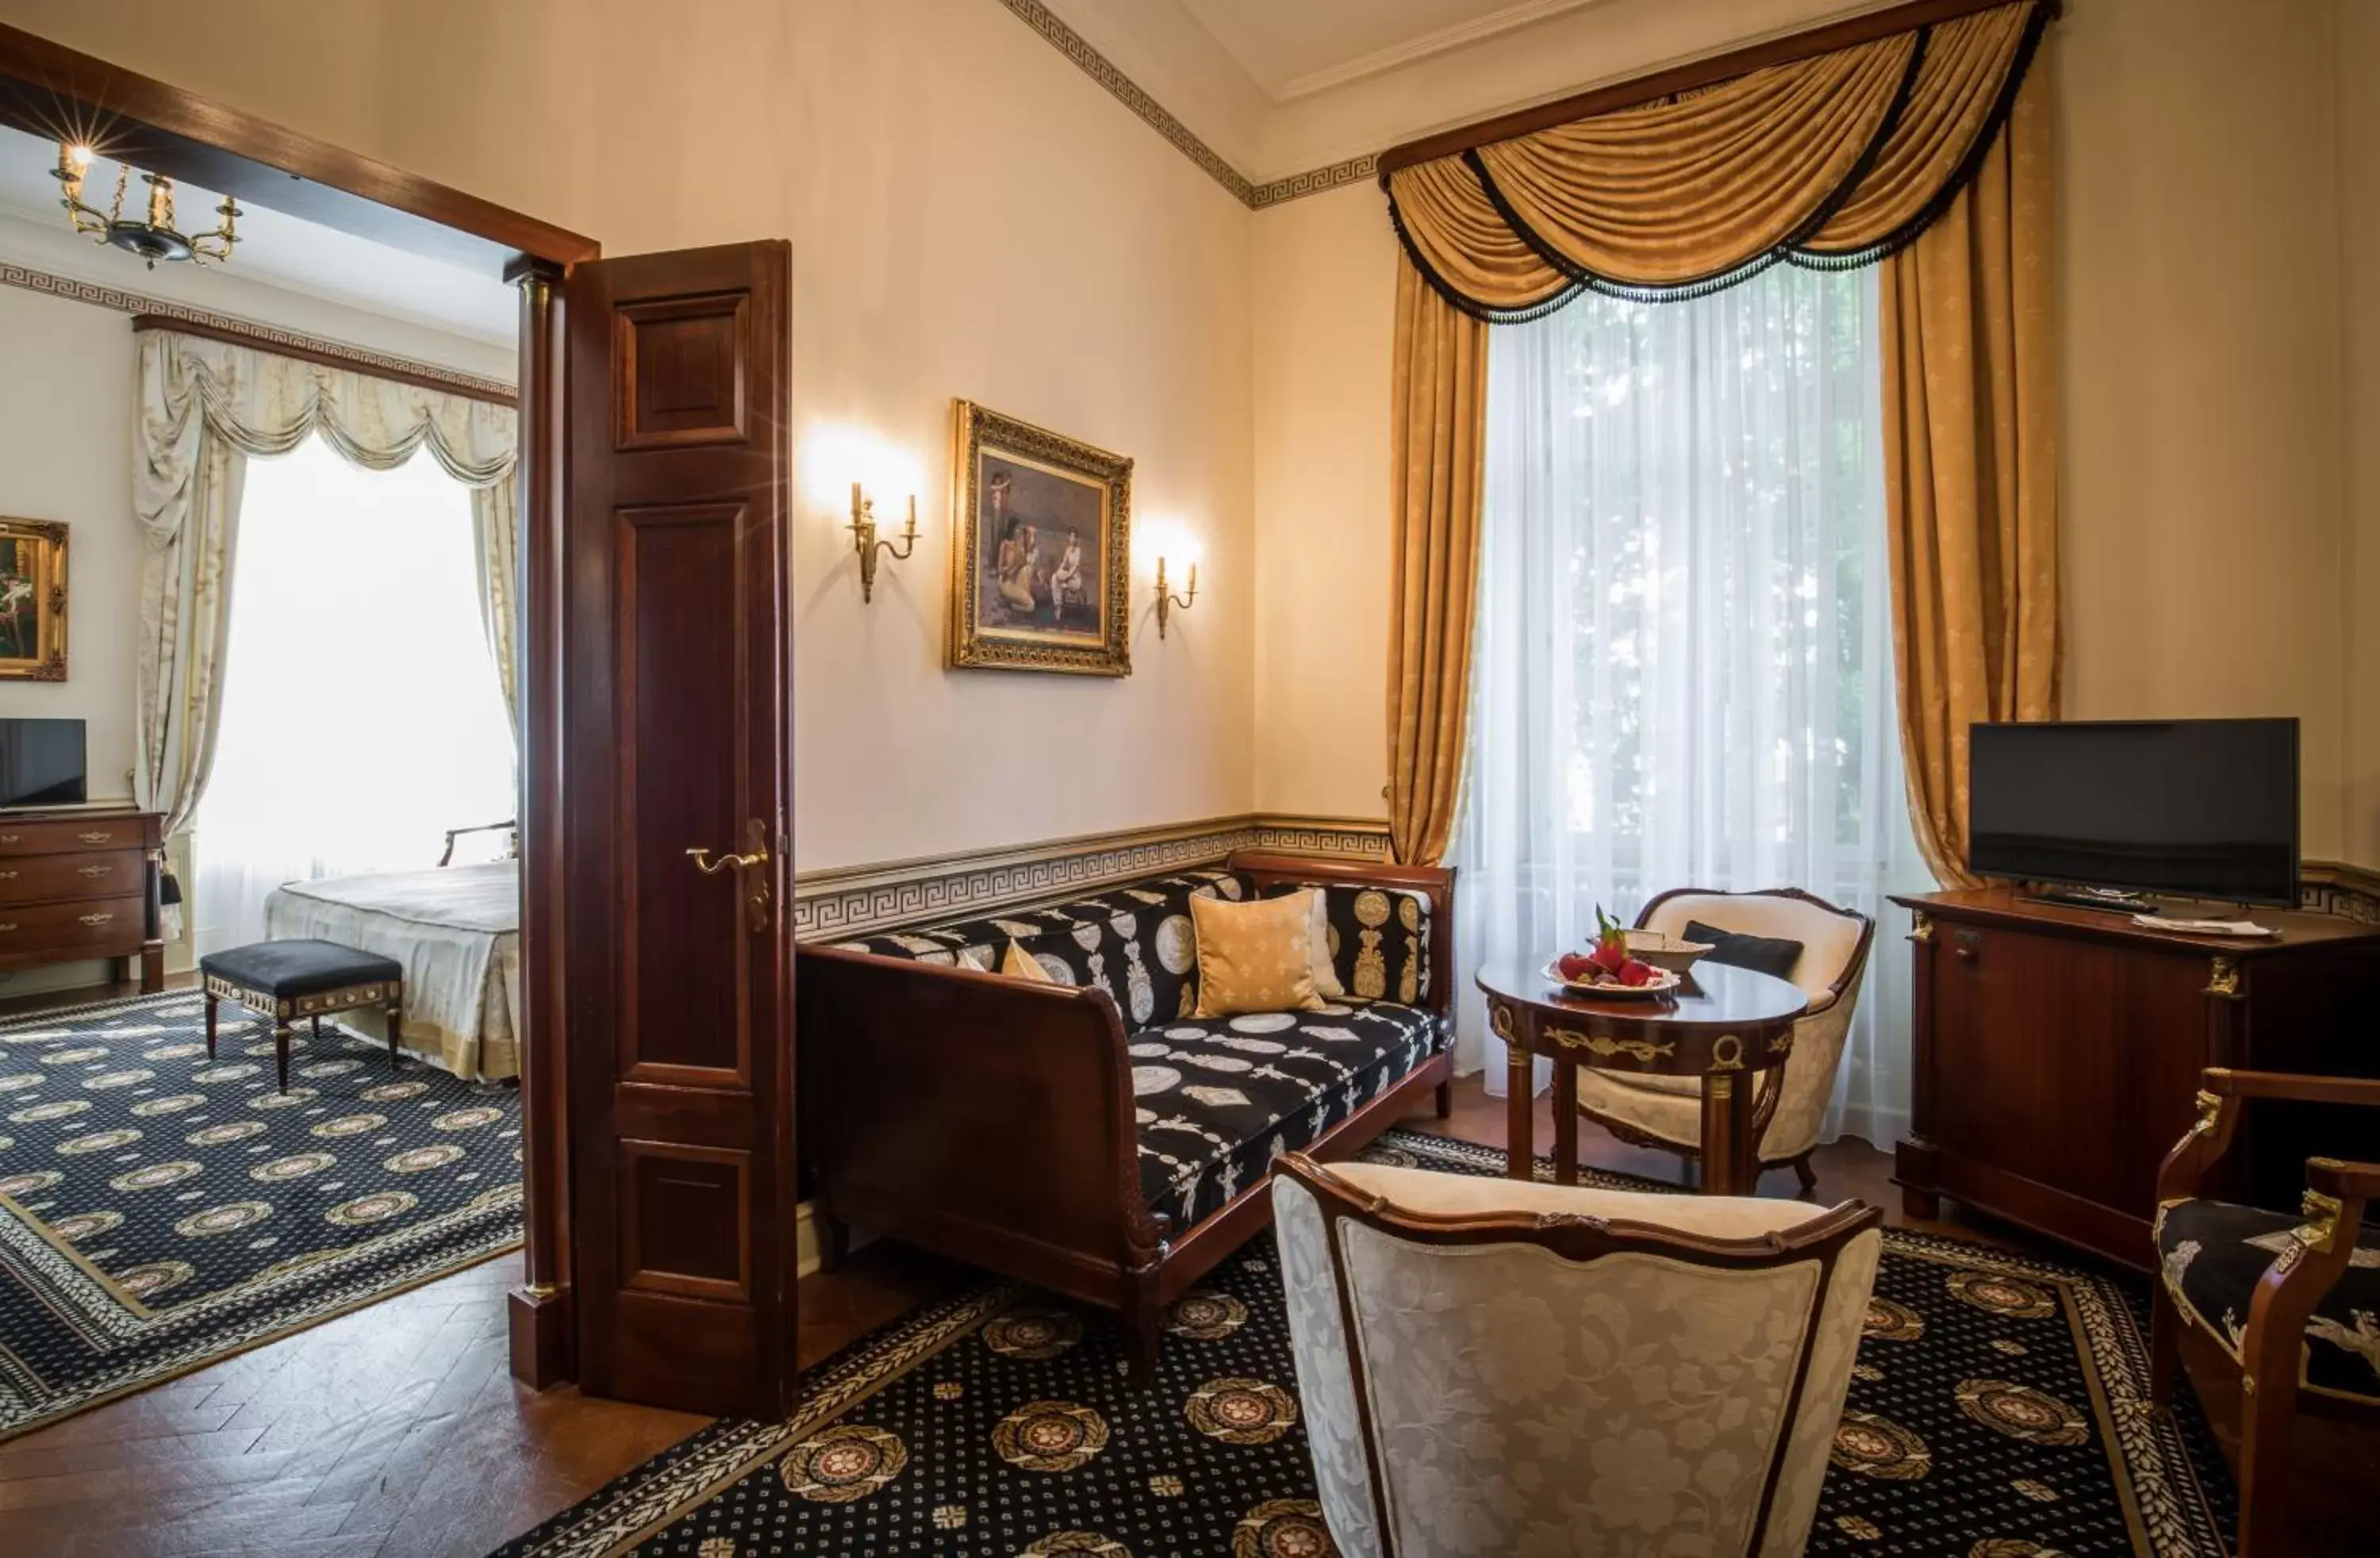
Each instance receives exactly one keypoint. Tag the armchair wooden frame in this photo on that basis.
(1772, 1081)
(1578, 1238)
(2278, 1437)
(991, 1120)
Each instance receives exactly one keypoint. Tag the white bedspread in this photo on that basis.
(456, 931)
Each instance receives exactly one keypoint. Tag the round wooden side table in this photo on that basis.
(1724, 1025)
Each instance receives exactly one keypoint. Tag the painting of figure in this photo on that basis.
(1039, 580)
(33, 600)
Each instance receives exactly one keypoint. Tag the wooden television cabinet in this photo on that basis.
(2059, 1054)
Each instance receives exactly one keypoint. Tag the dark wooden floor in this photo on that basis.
(397, 1429)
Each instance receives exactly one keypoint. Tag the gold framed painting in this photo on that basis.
(1040, 560)
(33, 600)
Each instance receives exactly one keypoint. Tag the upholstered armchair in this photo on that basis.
(1488, 1366)
(2274, 1315)
(1666, 1112)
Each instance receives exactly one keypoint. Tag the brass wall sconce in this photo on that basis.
(864, 541)
(1166, 602)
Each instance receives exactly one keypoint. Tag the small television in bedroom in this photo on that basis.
(42, 764)
(2198, 809)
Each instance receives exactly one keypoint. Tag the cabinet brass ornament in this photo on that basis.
(2223, 978)
(864, 541)
(95, 918)
(94, 838)
(1727, 1053)
(1166, 602)
(1920, 929)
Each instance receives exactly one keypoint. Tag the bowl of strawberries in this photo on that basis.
(1611, 971)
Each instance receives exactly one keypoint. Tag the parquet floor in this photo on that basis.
(397, 1431)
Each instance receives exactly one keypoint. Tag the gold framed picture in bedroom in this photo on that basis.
(1040, 560)
(33, 600)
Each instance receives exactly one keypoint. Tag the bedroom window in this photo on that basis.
(361, 712)
(1683, 669)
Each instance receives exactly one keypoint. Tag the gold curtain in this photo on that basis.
(1837, 160)
(1970, 474)
(1439, 430)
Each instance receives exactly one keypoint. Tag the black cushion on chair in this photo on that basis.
(2213, 1253)
(1761, 955)
(300, 967)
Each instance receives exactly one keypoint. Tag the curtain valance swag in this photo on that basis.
(1832, 161)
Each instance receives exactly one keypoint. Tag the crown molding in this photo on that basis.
(1428, 43)
(249, 332)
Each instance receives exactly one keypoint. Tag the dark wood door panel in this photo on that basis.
(679, 969)
(679, 637)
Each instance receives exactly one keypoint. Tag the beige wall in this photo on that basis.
(970, 214)
(2203, 471)
(2204, 462)
(2357, 61)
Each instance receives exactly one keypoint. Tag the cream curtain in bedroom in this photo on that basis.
(206, 405)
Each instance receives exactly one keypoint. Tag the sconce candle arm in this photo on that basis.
(1166, 602)
(864, 541)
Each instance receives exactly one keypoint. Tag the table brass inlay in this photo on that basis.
(1727, 1053)
(1595, 1044)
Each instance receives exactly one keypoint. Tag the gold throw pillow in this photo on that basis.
(1255, 957)
(1326, 977)
(1022, 964)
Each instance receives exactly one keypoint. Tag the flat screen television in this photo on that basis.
(2200, 809)
(42, 764)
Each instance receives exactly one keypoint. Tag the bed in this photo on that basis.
(457, 930)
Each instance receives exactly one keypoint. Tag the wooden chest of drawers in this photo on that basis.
(80, 884)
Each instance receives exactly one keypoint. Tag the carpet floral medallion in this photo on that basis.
(1998, 1409)
(160, 1211)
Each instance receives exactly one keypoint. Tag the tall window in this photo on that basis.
(361, 712)
(1683, 669)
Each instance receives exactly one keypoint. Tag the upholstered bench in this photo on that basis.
(286, 981)
(1089, 1134)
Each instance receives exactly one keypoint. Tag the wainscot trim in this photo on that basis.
(2336, 887)
(858, 900)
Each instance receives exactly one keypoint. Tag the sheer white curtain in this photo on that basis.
(1683, 669)
(361, 711)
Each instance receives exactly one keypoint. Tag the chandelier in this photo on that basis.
(153, 239)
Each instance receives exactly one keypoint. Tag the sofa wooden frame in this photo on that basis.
(992, 1119)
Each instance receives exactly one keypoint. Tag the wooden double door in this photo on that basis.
(672, 720)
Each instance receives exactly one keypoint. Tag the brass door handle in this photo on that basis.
(758, 904)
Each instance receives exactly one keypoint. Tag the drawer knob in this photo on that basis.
(87, 871)
(101, 919)
(94, 838)
(12, 838)
(7, 876)
(7, 925)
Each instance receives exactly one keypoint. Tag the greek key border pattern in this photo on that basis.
(2349, 892)
(1316, 181)
(1129, 92)
(73, 290)
(946, 887)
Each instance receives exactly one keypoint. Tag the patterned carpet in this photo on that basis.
(159, 1212)
(1998, 1410)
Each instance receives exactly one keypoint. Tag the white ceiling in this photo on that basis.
(1292, 48)
(276, 250)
